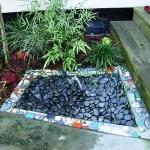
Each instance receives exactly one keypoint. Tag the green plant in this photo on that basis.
(104, 55)
(17, 31)
(53, 33)
(1, 50)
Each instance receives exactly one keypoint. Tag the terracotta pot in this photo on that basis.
(147, 9)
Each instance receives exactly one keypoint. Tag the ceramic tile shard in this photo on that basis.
(21, 112)
(4, 107)
(39, 116)
(30, 115)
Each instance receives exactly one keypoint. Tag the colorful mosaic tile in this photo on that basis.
(30, 115)
(39, 116)
(4, 107)
(77, 125)
(141, 115)
(94, 125)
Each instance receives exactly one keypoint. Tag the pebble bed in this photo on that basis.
(94, 98)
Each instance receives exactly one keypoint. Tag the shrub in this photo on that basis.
(55, 34)
(104, 55)
(17, 32)
(1, 49)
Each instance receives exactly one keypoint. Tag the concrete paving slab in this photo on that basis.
(146, 135)
(19, 133)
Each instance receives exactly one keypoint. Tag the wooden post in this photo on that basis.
(5, 46)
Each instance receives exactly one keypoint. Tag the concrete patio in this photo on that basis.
(19, 133)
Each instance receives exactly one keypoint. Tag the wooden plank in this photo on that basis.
(142, 20)
(138, 67)
(139, 38)
(143, 14)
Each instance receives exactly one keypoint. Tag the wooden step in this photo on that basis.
(135, 48)
(142, 20)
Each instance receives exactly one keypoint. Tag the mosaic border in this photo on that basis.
(142, 117)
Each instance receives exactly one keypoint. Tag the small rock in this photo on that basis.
(101, 119)
(104, 94)
(88, 114)
(113, 109)
(130, 123)
(104, 80)
(120, 107)
(125, 111)
(127, 117)
(123, 122)
(102, 104)
(116, 111)
(62, 111)
(81, 104)
(119, 116)
(96, 113)
(88, 93)
(70, 103)
(75, 111)
(101, 110)
(101, 98)
(87, 103)
(55, 100)
(55, 108)
(82, 110)
(69, 92)
(45, 98)
(113, 100)
(93, 94)
(62, 98)
(79, 116)
(37, 95)
(68, 108)
(93, 118)
(107, 121)
(123, 100)
(96, 102)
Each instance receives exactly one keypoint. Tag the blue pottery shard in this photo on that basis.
(140, 123)
(60, 122)
(39, 117)
(51, 120)
(135, 134)
(11, 104)
(21, 112)
(140, 115)
(50, 116)
(147, 122)
(136, 105)
(131, 97)
(30, 115)
(94, 125)
(126, 78)
(4, 107)
(137, 95)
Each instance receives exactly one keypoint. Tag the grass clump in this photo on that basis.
(104, 54)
